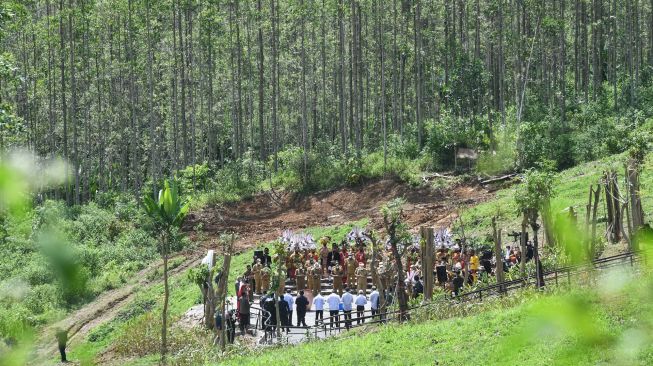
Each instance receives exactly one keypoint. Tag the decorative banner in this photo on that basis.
(297, 241)
(208, 260)
(357, 234)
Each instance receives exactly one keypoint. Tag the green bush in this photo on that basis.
(42, 298)
(136, 308)
(193, 178)
(14, 321)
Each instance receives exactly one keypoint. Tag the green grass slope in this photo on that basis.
(458, 341)
(580, 327)
(572, 189)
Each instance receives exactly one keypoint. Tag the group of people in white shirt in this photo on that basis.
(347, 302)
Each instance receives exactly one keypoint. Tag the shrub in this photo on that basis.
(14, 321)
(193, 177)
(136, 308)
(42, 298)
(92, 225)
(101, 332)
(143, 337)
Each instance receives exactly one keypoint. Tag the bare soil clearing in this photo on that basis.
(262, 218)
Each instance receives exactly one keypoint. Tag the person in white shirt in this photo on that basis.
(318, 301)
(334, 308)
(360, 302)
(506, 254)
(347, 301)
(291, 303)
(374, 301)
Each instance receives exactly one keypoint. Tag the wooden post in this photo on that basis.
(613, 205)
(427, 252)
(222, 288)
(523, 241)
(498, 271)
(627, 232)
(597, 195)
(209, 294)
(632, 179)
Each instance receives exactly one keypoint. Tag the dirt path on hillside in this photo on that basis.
(104, 308)
(262, 219)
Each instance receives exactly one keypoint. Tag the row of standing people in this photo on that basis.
(335, 304)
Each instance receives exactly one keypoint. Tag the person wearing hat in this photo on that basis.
(336, 272)
(266, 272)
(291, 264)
(300, 277)
(324, 253)
(256, 271)
(351, 266)
(281, 284)
(361, 277)
(309, 274)
(317, 278)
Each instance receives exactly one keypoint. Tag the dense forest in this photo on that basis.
(130, 91)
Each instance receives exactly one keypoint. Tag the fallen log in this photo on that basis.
(498, 179)
(427, 177)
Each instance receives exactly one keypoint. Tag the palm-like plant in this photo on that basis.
(168, 212)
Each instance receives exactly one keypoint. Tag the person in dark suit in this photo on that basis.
(266, 259)
(283, 313)
(301, 304)
(334, 254)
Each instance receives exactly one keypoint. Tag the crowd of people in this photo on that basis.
(337, 280)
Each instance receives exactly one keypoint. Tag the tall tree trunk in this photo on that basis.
(73, 98)
(498, 269)
(303, 96)
(275, 88)
(261, 84)
(418, 72)
(632, 179)
(341, 77)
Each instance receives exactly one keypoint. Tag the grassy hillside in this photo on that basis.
(572, 189)
(581, 327)
(133, 335)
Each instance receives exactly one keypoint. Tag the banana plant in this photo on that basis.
(168, 212)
